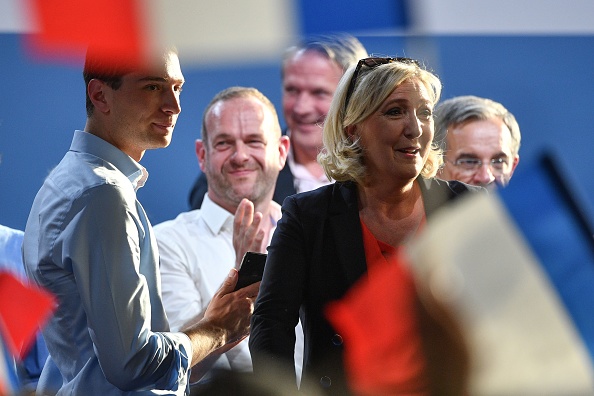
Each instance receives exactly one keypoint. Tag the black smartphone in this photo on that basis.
(251, 269)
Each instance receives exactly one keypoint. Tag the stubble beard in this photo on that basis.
(222, 187)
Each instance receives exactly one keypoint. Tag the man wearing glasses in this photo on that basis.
(480, 140)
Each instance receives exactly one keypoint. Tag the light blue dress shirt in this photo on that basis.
(89, 241)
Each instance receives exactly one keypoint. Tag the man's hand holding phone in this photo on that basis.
(251, 270)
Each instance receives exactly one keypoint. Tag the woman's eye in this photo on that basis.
(427, 113)
(394, 111)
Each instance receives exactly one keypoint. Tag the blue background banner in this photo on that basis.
(546, 81)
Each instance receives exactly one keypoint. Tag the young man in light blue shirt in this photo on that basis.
(89, 242)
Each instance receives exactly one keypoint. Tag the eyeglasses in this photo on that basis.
(497, 165)
(373, 62)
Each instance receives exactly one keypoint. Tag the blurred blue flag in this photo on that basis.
(516, 268)
(556, 227)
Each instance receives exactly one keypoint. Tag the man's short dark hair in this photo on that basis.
(109, 70)
(97, 68)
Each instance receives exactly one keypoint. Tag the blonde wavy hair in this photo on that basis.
(341, 157)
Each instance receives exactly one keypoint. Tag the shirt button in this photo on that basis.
(336, 340)
(326, 382)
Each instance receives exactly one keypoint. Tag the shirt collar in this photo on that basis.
(215, 217)
(303, 179)
(219, 219)
(86, 142)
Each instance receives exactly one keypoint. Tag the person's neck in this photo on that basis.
(389, 199)
(100, 129)
(265, 209)
(395, 217)
(308, 158)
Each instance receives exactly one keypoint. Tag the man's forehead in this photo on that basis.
(312, 62)
(493, 128)
(480, 136)
(232, 105)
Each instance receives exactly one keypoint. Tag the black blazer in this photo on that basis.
(284, 187)
(315, 256)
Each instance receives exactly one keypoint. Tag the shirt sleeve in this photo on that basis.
(181, 297)
(115, 266)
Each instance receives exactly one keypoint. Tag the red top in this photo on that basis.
(401, 354)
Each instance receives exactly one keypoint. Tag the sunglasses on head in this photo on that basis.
(373, 62)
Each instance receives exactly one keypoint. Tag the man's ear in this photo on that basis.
(200, 153)
(283, 147)
(96, 89)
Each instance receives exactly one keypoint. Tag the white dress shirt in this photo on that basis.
(197, 254)
(90, 243)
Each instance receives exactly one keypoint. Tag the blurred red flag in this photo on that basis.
(24, 308)
(377, 321)
(65, 28)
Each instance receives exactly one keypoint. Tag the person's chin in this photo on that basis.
(240, 193)
(242, 186)
(307, 129)
(162, 142)
(498, 183)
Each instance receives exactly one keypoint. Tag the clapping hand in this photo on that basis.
(247, 233)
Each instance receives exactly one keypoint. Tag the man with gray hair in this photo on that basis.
(480, 140)
(310, 74)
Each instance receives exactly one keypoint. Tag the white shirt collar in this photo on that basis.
(215, 217)
(304, 180)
